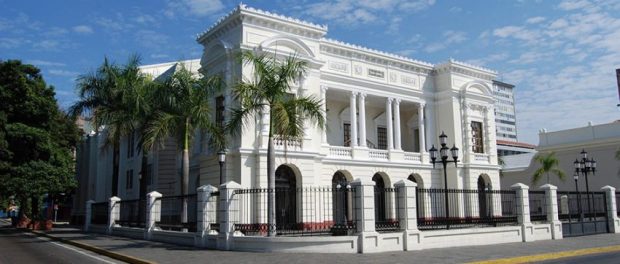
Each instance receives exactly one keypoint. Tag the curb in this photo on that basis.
(551, 255)
(98, 250)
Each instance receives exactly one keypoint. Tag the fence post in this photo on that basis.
(407, 213)
(229, 214)
(89, 215)
(552, 210)
(523, 211)
(612, 211)
(204, 214)
(153, 213)
(368, 237)
(114, 213)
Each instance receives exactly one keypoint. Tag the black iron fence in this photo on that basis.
(178, 213)
(212, 207)
(576, 206)
(538, 206)
(299, 211)
(99, 213)
(132, 213)
(466, 208)
(386, 210)
(617, 203)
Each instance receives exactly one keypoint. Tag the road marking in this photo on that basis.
(552, 255)
(71, 248)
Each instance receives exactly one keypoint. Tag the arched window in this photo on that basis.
(286, 198)
(484, 197)
(379, 197)
(342, 199)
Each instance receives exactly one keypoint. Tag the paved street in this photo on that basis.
(24, 248)
(20, 247)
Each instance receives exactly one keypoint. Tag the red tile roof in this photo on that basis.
(515, 144)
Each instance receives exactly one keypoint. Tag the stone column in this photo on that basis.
(89, 215)
(523, 210)
(362, 119)
(365, 215)
(397, 140)
(153, 212)
(612, 210)
(324, 109)
(407, 214)
(421, 127)
(205, 213)
(388, 118)
(114, 210)
(229, 214)
(353, 118)
(551, 197)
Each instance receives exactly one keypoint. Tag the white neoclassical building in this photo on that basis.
(383, 113)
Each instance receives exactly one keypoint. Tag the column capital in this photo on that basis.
(422, 104)
(353, 94)
(396, 101)
(362, 95)
(324, 88)
(389, 100)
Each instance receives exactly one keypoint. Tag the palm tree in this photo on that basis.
(270, 89)
(101, 102)
(549, 164)
(182, 105)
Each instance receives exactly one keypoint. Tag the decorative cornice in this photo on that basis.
(262, 18)
(375, 56)
(466, 68)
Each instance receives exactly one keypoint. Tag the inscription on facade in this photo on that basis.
(338, 66)
(376, 73)
(408, 80)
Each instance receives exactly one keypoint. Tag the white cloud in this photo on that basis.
(63, 73)
(572, 4)
(449, 37)
(47, 44)
(350, 12)
(535, 20)
(159, 56)
(9, 43)
(83, 29)
(45, 63)
(199, 8)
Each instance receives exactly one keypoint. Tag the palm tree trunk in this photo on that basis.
(115, 167)
(271, 184)
(144, 173)
(185, 180)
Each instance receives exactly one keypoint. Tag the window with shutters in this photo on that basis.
(346, 129)
(477, 137)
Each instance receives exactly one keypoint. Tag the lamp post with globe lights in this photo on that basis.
(442, 155)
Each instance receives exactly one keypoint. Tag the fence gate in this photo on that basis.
(582, 213)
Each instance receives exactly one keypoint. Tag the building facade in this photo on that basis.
(505, 114)
(383, 113)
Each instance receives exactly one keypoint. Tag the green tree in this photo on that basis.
(269, 88)
(36, 137)
(182, 106)
(115, 97)
(549, 164)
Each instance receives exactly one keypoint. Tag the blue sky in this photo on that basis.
(561, 55)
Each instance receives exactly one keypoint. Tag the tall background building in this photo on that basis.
(506, 122)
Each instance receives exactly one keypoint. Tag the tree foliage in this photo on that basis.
(549, 164)
(36, 137)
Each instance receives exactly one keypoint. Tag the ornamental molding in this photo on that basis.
(252, 16)
(359, 53)
(453, 66)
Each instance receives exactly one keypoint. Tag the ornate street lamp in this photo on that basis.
(221, 158)
(443, 152)
(586, 166)
(576, 178)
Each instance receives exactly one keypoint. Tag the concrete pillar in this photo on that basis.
(229, 214)
(205, 213)
(353, 118)
(362, 119)
(407, 214)
(421, 128)
(153, 212)
(324, 109)
(553, 219)
(114, 210)
(397, 138)
(390, 128)
(523, 210)
(89, 215)
(365, 215)
(612, 210)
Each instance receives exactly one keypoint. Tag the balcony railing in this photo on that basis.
(286, 144)
(340, 152)
(413, 156)
(378, 154)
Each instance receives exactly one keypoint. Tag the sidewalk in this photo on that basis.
(169, 253)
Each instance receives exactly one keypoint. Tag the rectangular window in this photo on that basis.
(381, 137)
(131, 145)
(129, 179)
(149, 174)
(346, 129)
(477, 137)
(219, 111)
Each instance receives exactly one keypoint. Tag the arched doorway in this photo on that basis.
(484, 197)
(414, 177)
(342, 199)
(379, 197)
(286, 198)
